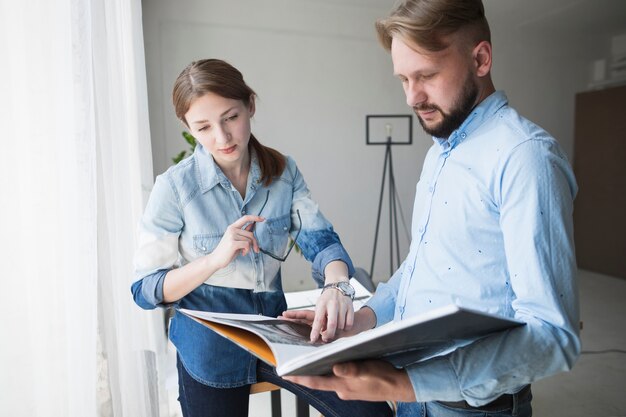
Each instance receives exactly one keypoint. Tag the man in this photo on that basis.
(492, 230)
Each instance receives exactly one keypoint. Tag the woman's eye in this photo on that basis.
(233, 117)
(203, 128)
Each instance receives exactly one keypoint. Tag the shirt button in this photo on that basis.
(409, 269)
(421, 229)
(285, 228)
(401, 309)
(463, 135)
(203, 248)
(431, 189)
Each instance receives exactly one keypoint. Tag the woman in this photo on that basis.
(213, 235)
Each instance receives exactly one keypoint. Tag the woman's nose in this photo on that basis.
(222, 135)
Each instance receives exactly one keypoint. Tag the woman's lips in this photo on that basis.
(228, 150)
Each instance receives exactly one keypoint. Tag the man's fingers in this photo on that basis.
(303, 380)
(308, 315)
(346, 370)
(298, 316)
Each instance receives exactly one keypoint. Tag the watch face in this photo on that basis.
(346, 288)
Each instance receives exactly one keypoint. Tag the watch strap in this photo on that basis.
(339, 287)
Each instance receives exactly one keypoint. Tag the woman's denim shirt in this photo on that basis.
(189, 209)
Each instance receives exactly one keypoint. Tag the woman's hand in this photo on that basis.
(238, 239)
(333, 310)
(333, 313)
(308, 317)
(364, 319)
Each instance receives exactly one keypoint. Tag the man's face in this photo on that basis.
(439, 86)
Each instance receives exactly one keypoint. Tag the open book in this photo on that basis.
(286, 345)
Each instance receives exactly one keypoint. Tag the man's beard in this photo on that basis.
(462, 108)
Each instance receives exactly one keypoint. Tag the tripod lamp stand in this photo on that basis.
(376, 128)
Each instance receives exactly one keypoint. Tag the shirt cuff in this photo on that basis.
(434, 380)
(382, 302)
(334, 252)
(152, 288)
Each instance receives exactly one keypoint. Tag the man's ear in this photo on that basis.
(481, 56)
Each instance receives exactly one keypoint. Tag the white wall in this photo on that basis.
(318, 70)
(541, 73)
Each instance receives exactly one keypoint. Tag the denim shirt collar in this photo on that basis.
(209, 174)
(484, 111)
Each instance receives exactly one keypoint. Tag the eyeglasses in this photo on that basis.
(293, 241)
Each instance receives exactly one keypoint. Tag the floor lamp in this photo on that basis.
(375, 125)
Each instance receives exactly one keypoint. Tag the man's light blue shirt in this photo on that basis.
(492, 230)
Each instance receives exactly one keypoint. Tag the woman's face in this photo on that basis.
(222, 126)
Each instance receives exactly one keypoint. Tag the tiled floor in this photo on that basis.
(596, 387)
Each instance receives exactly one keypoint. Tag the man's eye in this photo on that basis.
(203, 128)
(428, 76)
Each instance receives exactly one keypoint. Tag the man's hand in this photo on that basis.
(373, 380)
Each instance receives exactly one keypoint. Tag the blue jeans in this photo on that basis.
(435, 409)
(199, 400)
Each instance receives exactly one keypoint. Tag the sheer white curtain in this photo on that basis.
(74, 169)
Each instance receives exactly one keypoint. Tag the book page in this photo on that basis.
(273, 340)
(278, 331)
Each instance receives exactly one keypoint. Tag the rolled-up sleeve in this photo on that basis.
(157, 252)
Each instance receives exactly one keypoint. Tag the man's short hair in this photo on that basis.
(428, 23)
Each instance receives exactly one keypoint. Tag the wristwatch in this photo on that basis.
(343, 287)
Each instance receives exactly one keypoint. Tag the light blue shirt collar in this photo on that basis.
(209, 173)
(482, 112)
